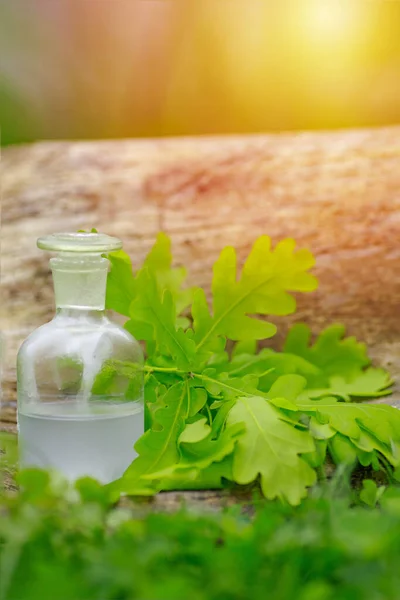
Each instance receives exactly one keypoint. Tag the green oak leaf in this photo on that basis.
(267, 365)
(368, 444)
(214, 477)
(342, 450)
(320, 431)
(123, 286)
(288, 387)
(158, 449)
(244, 347)
(219, 413)
(270, 448)
(153, 318)
(277, 364)
(371, 493)
(347, 451)
(333, 355)
(367, 459)
(371, 383)
(195, 432)
(316, 458)
(284, 391)
(198, 448)
(159, 262)
(379, 423)
(339, 364)
(154, 393)
(267, 277)
(220, 384)
(197, 398)
(223, 409)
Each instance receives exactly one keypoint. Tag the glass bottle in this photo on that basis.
(80, 376)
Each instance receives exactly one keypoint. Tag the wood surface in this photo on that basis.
(337, 193)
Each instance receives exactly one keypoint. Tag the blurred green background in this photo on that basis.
(127, 68)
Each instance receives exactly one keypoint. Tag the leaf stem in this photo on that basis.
(221, 384)
(151, 369)
(210, 419)
(242, 367)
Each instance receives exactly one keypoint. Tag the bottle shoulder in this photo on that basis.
(36, 337)
(66, 336)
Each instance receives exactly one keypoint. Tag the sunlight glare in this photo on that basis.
(331, 18)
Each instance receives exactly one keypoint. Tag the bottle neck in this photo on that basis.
(86, 315)
(79, 282)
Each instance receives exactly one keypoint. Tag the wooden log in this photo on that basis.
(336, 193)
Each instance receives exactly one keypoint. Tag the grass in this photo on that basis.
(59, 542)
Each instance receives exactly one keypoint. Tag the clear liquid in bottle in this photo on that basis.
(99, 443)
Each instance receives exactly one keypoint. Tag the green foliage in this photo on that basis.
(222, 413)
(331, 354)
(158, 448)
(271, 448)
(371, 493)
(123, 286)
(219, 415)
(67, 543)
(267, 277)
(339, 364)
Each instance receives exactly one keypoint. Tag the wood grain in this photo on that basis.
(337, 193)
